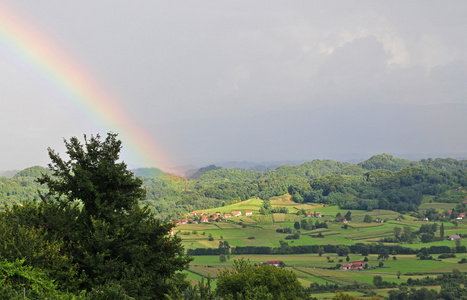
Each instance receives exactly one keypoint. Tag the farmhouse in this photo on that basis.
(318, 215)
(227, 216)
(248, 212)
(356, 265)
(275, 263)
(399, 218)
(454, 237)
(379, 220)
(309, 215)
(193, 214)
(204, 219)
(236, 213)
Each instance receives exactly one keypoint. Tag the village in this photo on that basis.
(204, 217)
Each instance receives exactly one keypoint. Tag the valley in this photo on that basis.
(323, 272)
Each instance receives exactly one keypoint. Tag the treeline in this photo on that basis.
(359, 248)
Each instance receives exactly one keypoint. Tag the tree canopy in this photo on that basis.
(94, 228)
(244, 281)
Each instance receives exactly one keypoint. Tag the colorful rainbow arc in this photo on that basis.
(40, 53)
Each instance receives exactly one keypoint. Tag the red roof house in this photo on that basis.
(358, 265)
(274, 263)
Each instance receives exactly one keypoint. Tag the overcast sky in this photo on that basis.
(215, 81)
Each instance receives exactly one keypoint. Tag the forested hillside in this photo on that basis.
(381, 182)
(21, 186)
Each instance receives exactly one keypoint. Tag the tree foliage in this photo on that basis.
(93, 219)
(244, 281)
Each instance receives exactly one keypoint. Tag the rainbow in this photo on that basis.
(65, 74)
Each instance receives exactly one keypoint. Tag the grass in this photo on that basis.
(263, 220)
(437, 206)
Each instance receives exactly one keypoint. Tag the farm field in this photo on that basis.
(301, 265)
(260, 231)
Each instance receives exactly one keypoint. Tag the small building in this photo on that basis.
(193, 214)
(309, 215)
(213, 218)
(454, 237)
(358, 265)
(227, 216)
(399, 218)
(236, 213)
(204, 219)
(346, 267)
(345, 221)
(275, 263)
(248, 212)
(379, 220)
(318, 215)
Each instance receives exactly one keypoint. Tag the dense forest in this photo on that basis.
(381, 182)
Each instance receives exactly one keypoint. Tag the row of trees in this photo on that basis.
(341, 250)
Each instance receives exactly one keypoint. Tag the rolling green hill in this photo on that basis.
(381, 182)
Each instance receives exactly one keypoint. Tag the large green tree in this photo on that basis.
(244, 281)
(115, 240)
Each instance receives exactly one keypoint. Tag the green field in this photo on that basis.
(260, 230)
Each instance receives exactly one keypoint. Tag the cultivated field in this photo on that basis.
(260, 230)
